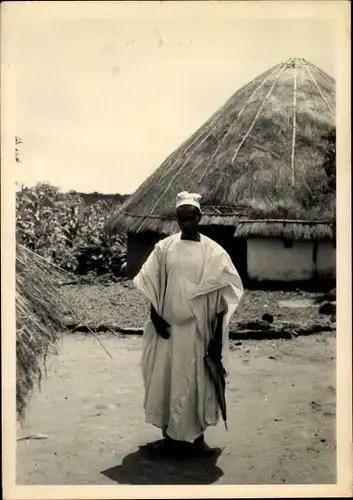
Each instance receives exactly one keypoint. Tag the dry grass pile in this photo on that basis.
(40, 313)
(262, 155)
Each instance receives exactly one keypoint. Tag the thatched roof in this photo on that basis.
(260, 156)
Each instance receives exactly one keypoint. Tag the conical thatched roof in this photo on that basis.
(257, 161)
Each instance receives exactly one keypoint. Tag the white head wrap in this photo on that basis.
(186, 198)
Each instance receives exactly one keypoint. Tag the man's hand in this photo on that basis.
(160, 325)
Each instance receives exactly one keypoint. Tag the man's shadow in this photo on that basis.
(141, 467)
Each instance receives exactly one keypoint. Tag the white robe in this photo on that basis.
(187, 282)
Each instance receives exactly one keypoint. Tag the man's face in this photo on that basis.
(188, 218)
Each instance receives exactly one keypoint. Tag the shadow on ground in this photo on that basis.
(141, 467)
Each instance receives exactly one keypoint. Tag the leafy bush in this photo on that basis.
(330, 159)
(66, 231)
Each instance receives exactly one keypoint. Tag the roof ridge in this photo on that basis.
(258, 113)
(236, 118)
(317, 86)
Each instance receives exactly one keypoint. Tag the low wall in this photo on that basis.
(270, 260)
(326, 260)
(259, 259)
(139, 246)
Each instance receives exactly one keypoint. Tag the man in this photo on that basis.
(194, 289)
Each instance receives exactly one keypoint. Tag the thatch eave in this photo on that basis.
(299, 230)
(244, 227)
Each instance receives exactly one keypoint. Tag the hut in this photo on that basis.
(264, 164)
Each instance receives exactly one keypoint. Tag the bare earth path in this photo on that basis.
(281, 403)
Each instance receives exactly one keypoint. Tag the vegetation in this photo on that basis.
(330, 159)
(67, 230)
(56, 233)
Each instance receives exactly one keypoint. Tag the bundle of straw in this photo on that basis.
(40, 319)
(40, 313)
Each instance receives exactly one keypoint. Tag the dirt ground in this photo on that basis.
(122, 303)
(281, 404)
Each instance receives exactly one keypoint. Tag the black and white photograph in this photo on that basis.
(177, 178)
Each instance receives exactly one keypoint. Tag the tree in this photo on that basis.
(330, 159)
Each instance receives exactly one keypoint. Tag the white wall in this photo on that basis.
(326, 259)
(269, 259)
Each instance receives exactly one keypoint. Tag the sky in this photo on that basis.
(101, 102)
